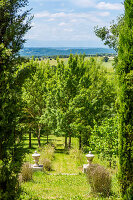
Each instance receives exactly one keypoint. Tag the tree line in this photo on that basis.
(66, 100)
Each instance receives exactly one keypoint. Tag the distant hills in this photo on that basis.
(36, 51)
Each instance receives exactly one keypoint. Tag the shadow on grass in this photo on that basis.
(63, 151)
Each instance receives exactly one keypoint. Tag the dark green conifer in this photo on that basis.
(13, 25)
(125, 76)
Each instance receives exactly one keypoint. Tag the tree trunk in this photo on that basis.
(38, 137)
(65, 142)
(0, 150)
(47, 138)
(69, 145)
(80, 142)
(39, 142)
(30, 139)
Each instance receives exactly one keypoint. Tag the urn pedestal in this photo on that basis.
(89, 157)
(36, 166)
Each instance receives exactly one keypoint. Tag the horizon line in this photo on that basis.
(66, 47)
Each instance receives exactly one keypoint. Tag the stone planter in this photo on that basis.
(89, 157)
(36, 157)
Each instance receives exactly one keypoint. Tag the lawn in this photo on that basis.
(66, 180)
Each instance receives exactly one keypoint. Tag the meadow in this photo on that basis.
(108, 64)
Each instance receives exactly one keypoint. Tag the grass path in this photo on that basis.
(56, 185)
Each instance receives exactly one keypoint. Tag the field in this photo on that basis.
(107, 65)
(66, 180)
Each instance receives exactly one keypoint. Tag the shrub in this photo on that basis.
(47, 152)
(26, 172)
(105, 59)
(47, 164)
(77, 155)
(99, 179)
(47, 155)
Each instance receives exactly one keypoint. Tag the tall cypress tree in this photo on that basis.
(13, 25)
(125, 76)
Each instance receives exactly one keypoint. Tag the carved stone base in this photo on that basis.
(37, 168)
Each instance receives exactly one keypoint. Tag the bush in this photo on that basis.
(77, 155)
(105, 59)
(26, 172)
(99, 179)
(47, 155)
(47, 164)
(47, 152)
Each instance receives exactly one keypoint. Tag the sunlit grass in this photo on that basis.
(65, 187)
(66, 180)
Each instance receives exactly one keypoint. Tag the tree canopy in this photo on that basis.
(14, 23)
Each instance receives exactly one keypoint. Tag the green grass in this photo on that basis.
(45, 186)
(65, 187)
(56, 184)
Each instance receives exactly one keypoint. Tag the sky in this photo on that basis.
(70, 23)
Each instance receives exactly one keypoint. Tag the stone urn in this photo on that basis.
(36, 157)
(89, 157)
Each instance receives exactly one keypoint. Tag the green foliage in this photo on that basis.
(35, 93)
(104, 139)
(129, 193)
(105, 59)
(65, 100)
(68, 80)
(110, 35)
(14, 24)
(125, 76)
(93, 101)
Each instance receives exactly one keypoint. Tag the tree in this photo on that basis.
(34, 99)
(93, 101)
(125, 77)
(110, 35)
(105, 58)
(104, 139)
(13, 25)
(68, 80)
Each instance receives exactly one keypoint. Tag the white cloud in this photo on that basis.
(101, 5)
(63, 24)
(59, 14)
(71, 17)
(68, 29)
(109, 6)
(42, 14)
(73, 20)
(84, 3)
(103, 14)
(51, 19)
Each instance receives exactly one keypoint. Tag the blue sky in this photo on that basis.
(70, 23)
